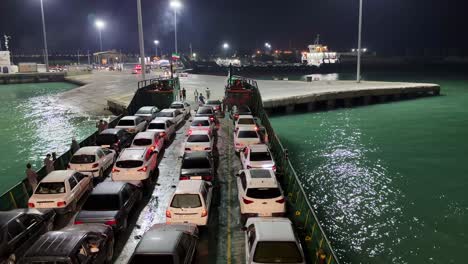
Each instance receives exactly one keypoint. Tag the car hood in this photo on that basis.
(195, 172)
(96, 216)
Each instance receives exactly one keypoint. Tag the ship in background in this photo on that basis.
(319, 54)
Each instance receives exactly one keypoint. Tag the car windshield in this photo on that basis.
(83, 159)
(198, 138)
(200, 123)
(156, 126)
(126, 123)
(213, 102)
(247, 134)
(201, 163)
(150, 258)
(177, 106)
(50, 188)
(164, 114)
(260, 156)
(102, 202)
(144, 111)
(246, 121)
(205, 111)
(106, 139)
(277, 252)
(128, 164)
(243, 109)
(142, 142)
(186, 201)
(263, 193)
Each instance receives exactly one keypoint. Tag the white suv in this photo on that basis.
(199, 140)
(149, 139)
(190, 203)
(245, 121)
(245, 136)
(272, 240)
(260, 194)
(61, 190)
(136, 166)
(92, 161)
(202, 123)
(257, 157)
(133, 124)
(174, 115)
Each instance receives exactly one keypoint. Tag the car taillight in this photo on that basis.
(112, 222)
(207, 148)
(162, 134)
(144, 169)
(280, 201)
(238, 144)
(211, 118)
(183, 178)
(204, 213)
(208, 178)
(31, 205)
(273, 168)
(256, 128)
(95, 165)
(115, 170)
(247, 201)
(189, 132)
(78, 222)
(152, 148)
(236, 116)
(249, 167)
(168, 214)
(60, 204)
(188, 149)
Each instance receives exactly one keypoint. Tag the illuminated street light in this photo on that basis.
(176, 5)
(44, 34)
(100, 25)
(194, 55)
(156, 43)
(225, 46)
(268, 45)
(358, 74)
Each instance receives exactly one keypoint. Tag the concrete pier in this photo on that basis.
(32, 77)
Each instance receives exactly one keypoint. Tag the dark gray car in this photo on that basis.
(168, 244)
(197, 165)
(19, 229)
(110, 203)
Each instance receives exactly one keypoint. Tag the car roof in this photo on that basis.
(247, 128)
(129, 117)
(91, 150)
(158, 241)
(135, 153)
(58, 175)
(205, 106)
(201, 118)
(145, 134)
(162, 121)
(245, 116)
(189, 186)
(112, 131)
(146, 108)
(258, 148)
(214, 101)
(170, 110)
(261, 178)
(196, 155)
(108, 187)
(200, 132)
(272, 228)
(177, 102)
(6, 217)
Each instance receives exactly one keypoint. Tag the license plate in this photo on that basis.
(196, 177)
(105, 146)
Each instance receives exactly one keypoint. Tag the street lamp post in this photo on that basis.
(175, 4)
(225, 47)
(100, 25)
(142, 44)
(358, 77)
(46, 52)
(156, 43)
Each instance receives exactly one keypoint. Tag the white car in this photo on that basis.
(260, 194)
(133, 124)
(147, 112)
(135, 165)
(264, 246)
(149, 139)
(245, 121)
(165, 128)
(199, 140)
(92, 161)
(173, 115)
(245, 136)
(202, 123)
(190, 203)
(257, 157)
(184, 107)
(60, 190)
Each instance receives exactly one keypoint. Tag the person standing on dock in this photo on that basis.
(49, 164)
(101, 126)
(184, 94)
(74, 146)
(180, 95)
(32, 176)
(208, 92)
(196, 95)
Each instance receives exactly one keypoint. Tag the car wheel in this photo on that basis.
(11, 259)
(124, 224)
(73, 207)
(101, 174)
(50, 226)
(110, 251)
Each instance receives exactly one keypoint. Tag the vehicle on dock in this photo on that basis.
(245, 136)
(90, 243)
(239, 91)
(60, 190)
(199, 140)
(257, 156)
(114, 138)
(202, 123)
(184, 107)
(206, 111)
(245, 121)
(110, 203)
(198, 165)
(147, 112)
(264, 246)
(92, 161)
(237, 111)
(169, 244)
(190, 203)
(165, 128)
(260, 194)
(150, 139)
(19, 229)
(132, 124)
(173, 115)
(217, 106)
(136, 166)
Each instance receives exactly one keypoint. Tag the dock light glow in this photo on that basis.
(100, 24)
(225, 46)
(175, 4)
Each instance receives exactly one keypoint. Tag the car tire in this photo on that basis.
(124, 224)
(72, 207)
(11, 259)
(101, 174)
(50, 226)
(110, 251)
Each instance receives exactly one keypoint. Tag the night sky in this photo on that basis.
(391, 27)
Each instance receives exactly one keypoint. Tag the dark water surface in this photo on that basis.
(389, 181)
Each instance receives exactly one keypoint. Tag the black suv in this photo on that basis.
(19, 229)
(116, 139)
(197, 165)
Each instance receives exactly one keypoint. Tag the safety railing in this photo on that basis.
(18, 195)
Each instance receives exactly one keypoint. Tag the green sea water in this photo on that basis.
(390, 181)
(32, 124)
